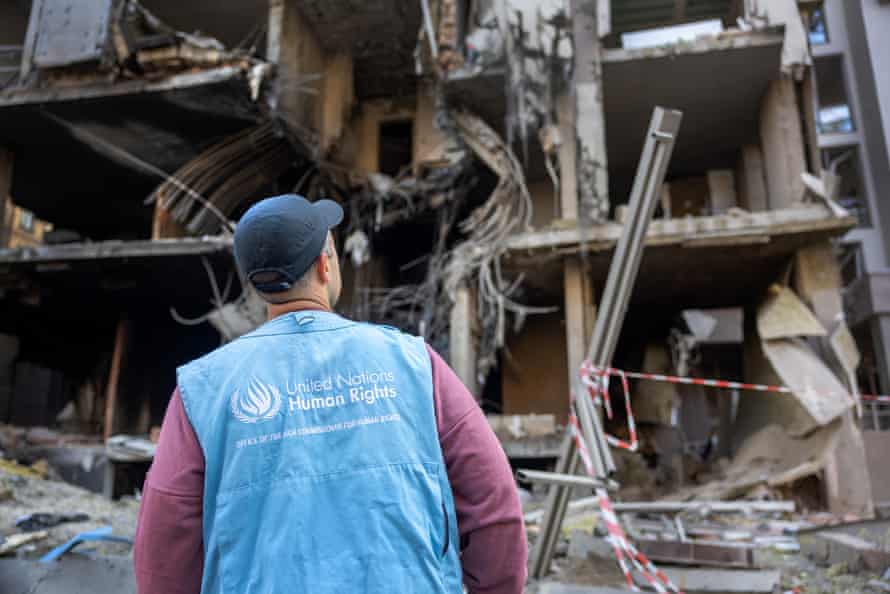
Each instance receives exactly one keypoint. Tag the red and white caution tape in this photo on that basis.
(711, 383)
(625, 552)
(597, 384)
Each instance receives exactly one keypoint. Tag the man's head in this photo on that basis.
(285, 249)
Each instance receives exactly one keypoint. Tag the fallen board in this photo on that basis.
(693, 553)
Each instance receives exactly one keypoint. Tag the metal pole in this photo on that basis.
(657, 150)
(569, 480)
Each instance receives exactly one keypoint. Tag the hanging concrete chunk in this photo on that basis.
(813, 384)
(784, 315)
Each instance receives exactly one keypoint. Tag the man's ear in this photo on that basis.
(323, 266)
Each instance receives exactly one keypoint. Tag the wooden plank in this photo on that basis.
(751, 179)
(783, 146)
(114, 377)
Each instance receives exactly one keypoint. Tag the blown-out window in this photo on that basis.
(834, 114)
(844, 162)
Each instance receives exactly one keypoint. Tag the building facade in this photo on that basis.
(851, 57)
(485, 153)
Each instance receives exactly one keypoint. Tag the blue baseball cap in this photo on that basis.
(278, 239)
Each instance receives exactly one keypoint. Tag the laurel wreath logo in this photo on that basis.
(260, 402)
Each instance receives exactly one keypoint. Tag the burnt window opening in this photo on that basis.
(396, 146)
(834, 113)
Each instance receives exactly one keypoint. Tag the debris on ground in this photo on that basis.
(720, 546)
(59, 511)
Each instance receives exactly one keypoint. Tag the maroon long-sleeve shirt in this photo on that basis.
(169, 553)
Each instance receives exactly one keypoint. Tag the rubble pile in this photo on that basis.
(39, 511)
(721, 546)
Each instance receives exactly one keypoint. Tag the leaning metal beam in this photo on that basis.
(568, 480)
(656, 155)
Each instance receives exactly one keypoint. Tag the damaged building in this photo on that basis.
(484, 152)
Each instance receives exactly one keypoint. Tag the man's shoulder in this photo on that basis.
(217, 355)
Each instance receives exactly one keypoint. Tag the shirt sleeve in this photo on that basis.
(494, 551)
(169, 550)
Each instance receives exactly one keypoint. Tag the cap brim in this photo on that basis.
(331, 212)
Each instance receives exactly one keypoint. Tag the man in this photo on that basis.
(321, 455)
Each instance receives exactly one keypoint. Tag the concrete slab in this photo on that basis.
(717, 580)
(831, 548)
(730, 78)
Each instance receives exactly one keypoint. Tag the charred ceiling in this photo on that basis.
(380, 34)
(104, 148)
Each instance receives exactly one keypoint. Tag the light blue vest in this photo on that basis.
(324, 472)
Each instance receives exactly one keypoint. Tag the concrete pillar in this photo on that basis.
(783, 145)
(590, 121)
(462, 342)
